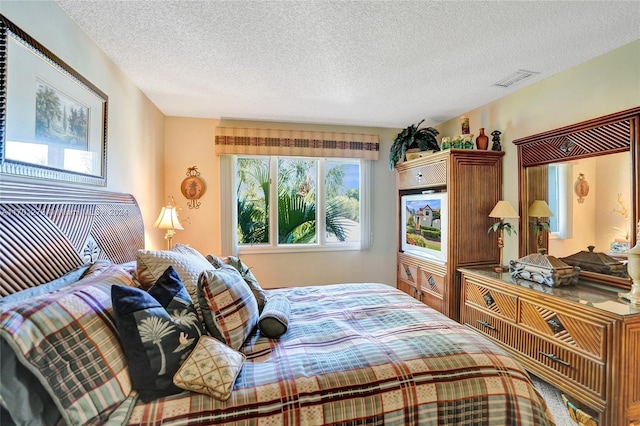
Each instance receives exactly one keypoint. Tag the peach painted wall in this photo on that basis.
(190, 142)
(612, 179)
(135, 134)
(601, 86)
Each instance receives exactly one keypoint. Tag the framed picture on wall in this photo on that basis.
(53, 121)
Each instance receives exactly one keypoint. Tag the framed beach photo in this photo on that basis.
(53, 121)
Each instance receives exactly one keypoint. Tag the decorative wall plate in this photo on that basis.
(193, 187)
(581, 187)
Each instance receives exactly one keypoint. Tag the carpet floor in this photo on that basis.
(553, 398)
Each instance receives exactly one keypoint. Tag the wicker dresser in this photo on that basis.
(582, 339)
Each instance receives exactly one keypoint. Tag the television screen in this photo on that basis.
(424, 225)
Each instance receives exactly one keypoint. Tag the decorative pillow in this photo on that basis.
(250, 279)
(64, 351)
(70, 277)
(216, 261)
(229, 309)
(186, 249)
(187, 263)
(245, 272)
(212, 369)
(274, 320)
(158, 330)
(98, 267)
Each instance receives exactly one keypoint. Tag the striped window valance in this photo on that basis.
(303, 143)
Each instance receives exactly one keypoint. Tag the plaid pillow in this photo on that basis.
(229, 309)
(245, 272)
(67, 340)
(212, 369)
(250, 279)
(187, 262)
(274, 320)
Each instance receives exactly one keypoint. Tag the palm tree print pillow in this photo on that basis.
(158, 329)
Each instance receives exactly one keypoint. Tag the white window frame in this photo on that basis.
(564, 209)
(229, 213)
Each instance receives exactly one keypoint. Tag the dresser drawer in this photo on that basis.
(499, 303)
(565, 329)
(488, 324)
(579, 369)
(582, 370)
(426, 176)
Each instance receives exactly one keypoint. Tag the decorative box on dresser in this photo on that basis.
(581, 338)
(472, 180)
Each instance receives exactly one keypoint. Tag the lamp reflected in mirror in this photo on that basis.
(168, 219)
(539, 210)
(502, 210)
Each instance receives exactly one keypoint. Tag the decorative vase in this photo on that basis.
(482, 141)
(633, 269)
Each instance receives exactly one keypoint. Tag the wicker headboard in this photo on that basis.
(47, 230)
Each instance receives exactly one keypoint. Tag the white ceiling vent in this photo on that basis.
(514, 78)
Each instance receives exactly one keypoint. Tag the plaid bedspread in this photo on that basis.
(364, 354)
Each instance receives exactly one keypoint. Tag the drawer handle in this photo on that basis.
(486, 324)
(554, 358)
(419, 176)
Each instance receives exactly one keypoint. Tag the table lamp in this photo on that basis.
(539, 209)
(502, 210)
(168, 219)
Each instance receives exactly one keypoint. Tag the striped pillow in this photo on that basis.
(229, 309)
(68, 340)
(187, 262)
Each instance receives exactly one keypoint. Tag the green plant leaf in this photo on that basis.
(412, 137)
(502, 226)
(541, 226)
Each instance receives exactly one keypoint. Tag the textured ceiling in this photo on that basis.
(366, 63)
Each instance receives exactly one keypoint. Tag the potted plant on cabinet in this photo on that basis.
(412, 137)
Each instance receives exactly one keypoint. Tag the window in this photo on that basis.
(297, 203)
(560, 201)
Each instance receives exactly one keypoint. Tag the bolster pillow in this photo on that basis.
(274, 319)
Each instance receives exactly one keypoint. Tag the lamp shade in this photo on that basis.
(503, 209)
(168, 219)
(540, 208)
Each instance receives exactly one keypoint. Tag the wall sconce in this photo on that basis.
(168, 219)
(539, 209)
(502, 210)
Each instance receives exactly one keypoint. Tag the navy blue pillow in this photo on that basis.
(158, 329)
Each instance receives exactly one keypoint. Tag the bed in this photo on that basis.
(352, 353)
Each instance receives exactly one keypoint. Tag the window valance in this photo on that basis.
(304, 143)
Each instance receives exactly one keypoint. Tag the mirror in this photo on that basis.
(588, 175)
